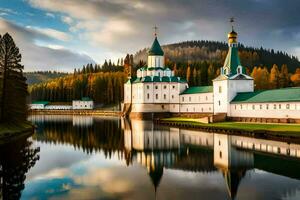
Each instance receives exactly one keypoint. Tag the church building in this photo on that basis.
(156, 89)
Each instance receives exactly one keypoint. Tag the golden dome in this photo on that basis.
(232, 37)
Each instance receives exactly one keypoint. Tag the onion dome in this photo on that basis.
(156, 49)
(232, 37)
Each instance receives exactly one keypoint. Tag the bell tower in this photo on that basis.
(233, 77)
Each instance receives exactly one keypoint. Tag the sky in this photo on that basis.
(63, 34)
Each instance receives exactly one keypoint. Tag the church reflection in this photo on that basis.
(17, 157)
(158, 148)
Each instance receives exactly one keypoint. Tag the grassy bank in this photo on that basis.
(283, 129)
(10, 129)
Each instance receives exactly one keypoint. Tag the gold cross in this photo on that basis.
(155, 30)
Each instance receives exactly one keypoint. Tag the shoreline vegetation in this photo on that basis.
(10, 131)
(254, 129)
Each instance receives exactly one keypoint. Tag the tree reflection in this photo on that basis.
(17, 157)
(104, 135)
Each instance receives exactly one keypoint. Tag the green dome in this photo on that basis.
(156, 49)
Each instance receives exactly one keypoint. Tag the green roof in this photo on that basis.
(155, 49)
(86, 99)
(165, 79)
(156, 79)
(232, 61)
(277, 95)
(155, 68)
(40, 102)
(199, 89)
(147, 79)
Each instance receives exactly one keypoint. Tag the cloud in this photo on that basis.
(35, 57)
(66, 19)
(51, 15)
(59, 35)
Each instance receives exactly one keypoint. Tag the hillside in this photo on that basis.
(215, 52)
(42, 76)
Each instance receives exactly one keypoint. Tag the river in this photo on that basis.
(88, 157)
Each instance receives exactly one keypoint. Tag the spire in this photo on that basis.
(232, 64)
(155, 49)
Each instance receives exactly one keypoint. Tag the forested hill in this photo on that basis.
(42, 76)
(215, 52)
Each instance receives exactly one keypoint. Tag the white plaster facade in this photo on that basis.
(82, 104)
(266, 110)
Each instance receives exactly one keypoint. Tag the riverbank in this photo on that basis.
(9, 131)
(253, 129)
(76, 112)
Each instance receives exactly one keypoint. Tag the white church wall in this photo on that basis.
(266, 110)
(156, 61)
(226, 90)
(198, 103)
(127, 93)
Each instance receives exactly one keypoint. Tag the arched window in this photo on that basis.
(239, 70)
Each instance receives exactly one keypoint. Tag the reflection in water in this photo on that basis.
(17, 157)
(240, 161)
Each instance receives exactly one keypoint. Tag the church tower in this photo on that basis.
(233, 77)
(156, 54)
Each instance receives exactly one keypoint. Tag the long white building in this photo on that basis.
(157, 90)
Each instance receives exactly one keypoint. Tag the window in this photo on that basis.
(219, 143)
(173, 86)
(165, 96)
(235, 107)
(219, 103)
(201, 109)
(239, 70)
(287, 106)
(279, 106)
(148, 96)
(190, 99)
(274, 106)
(241, 107)
(165, 87)
(206, 98)
(220, 89)
(260, 106)
(253, 107)
(156, 96)
(148, 87)
(162, 106)
(156, 87)
(172, 96)
(158, 73)
(267, 106)
(182, 99)
(220, 154)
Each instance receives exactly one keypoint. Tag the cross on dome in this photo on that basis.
(155, 30)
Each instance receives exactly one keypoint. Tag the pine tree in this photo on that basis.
(13, 84)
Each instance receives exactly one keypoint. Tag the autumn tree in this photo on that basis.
(274, 77)
(284, 78)
(295, 78)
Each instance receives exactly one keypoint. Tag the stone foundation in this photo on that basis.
(263, 120)
(148, 116)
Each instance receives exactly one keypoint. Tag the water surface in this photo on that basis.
(81, 157)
